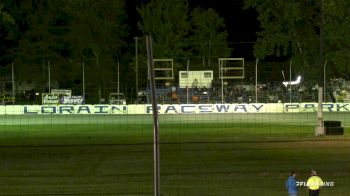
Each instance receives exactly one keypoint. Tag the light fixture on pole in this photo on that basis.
(294, 82)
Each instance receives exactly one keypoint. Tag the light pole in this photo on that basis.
(324, 81)
(290, 81)
(209, 45)
(83, 79)
(321, 62)
(136, 65)
(256, 80)
(118, 79)
(13, 84)
(49, 70)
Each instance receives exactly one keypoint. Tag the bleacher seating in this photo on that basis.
(270, 93)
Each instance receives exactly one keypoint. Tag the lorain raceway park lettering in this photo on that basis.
(172, 109)
(186, 108)
(248, 108)
(75, 109)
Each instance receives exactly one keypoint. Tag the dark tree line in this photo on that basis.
(69, 33)
(292, 29)
(65, 34)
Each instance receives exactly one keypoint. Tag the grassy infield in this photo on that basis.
(196, 159)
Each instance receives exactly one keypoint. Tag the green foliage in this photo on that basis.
(209, 37)
(66, 33)
(40, 41)
(7, 22)
(5, 17)
(291, 29)
(167, 22)
(96, 25)
(337, 39)
(96, 33)
(183, 34)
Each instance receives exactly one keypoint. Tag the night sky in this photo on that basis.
(241, 25)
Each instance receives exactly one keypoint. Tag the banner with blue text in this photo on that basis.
(172, 109)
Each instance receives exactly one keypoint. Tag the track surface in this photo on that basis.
(194, 161)
(285, 118)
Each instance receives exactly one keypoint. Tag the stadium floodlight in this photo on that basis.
(295, 82)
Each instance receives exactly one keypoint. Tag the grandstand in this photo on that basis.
(240, 90)
(272, 92)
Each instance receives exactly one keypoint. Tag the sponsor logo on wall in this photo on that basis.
(76, 100)
(48, 98)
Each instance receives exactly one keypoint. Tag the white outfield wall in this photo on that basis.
(172, 109)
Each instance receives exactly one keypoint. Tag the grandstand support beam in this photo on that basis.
(156, 160)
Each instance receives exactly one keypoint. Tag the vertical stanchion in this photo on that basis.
(118, 88)
(324, 81)
(290, 81)
(256, 80)
(155, 117)
(319, 131)
(136, 66)
(49, 70)
(13, 85)
(221, 75)
(84, 80)
(188, 64)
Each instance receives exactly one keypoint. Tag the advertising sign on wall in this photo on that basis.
(48, 98)
(61, 92)
(72, 100)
